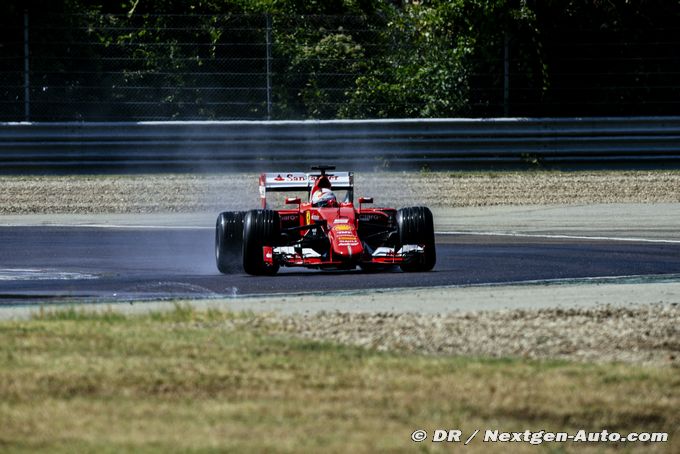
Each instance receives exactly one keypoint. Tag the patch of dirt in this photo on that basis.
(647, 334)
(204, 193)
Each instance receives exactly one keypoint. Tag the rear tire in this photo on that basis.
(260, 228)
(228, 241)
(416, 226)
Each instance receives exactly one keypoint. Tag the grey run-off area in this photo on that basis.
(613, 206)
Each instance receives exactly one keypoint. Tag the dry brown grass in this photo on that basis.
(214, 381)
(215, 192)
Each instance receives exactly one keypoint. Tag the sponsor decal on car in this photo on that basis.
(342, 228)
(268, 255)
(371, 217)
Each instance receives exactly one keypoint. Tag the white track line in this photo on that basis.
(443, 233)
(568, 237)
(31, 274)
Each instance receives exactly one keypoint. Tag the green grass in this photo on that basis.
(215, 381)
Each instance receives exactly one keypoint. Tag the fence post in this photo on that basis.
(506, 75)
(27, 80)
(269, 66)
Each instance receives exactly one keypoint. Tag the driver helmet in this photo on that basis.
(324, 198)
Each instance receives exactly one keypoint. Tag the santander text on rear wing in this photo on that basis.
(300, 181)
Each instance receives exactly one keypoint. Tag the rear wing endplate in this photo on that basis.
(300, 181)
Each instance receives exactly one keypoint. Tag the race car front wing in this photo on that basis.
(298, 256)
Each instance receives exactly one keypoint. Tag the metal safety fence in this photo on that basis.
(116, 67)
(649, 142)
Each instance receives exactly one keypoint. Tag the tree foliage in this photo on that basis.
(344, 58)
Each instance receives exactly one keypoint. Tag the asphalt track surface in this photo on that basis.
(72, 263)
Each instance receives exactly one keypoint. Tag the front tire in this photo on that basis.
(260, 228)
(228, 241)
(416, 226)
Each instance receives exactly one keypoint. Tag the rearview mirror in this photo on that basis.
(292, 200)
(365, 199)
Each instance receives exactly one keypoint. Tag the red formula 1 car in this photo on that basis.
(324, 231)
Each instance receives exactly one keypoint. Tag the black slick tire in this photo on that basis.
(228, 241)
(260, 228)
(416, 226)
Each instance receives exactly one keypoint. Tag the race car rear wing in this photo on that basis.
(300, 181)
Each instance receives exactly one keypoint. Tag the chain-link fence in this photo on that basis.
(104, 67)
(107, 67)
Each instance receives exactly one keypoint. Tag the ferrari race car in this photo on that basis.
(323, 231)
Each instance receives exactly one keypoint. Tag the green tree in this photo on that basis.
(434, 54)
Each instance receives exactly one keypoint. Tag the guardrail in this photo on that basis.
(650, 142)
